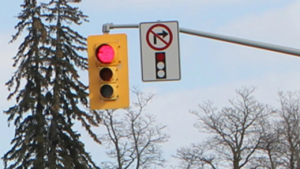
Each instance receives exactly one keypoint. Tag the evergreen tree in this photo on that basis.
(47, 107)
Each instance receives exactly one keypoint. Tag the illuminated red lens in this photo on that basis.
(160, 56)
(105, 54)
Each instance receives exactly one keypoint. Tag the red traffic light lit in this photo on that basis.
(105, 53)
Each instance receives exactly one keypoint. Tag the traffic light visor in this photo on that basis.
(105, 53)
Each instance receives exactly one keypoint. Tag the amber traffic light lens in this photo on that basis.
(106, 74)
(106, 91)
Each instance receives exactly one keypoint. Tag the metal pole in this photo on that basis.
(108, 26)
(240, 41)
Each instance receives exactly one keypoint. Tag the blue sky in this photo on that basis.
(210, 69)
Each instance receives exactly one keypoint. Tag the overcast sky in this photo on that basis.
(210, 69)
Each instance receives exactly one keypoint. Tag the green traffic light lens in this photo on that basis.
(106, 91)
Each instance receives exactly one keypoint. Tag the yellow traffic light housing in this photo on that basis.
(108, 71)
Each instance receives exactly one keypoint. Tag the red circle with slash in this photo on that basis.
(156, 35)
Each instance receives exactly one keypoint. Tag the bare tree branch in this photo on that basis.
(135, 136)
(235, 130)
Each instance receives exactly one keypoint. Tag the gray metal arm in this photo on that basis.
(276, 48)
(108, 26)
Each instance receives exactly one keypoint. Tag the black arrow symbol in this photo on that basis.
(163, 34)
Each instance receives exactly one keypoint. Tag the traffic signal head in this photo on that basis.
(160, 61)
(108, 71)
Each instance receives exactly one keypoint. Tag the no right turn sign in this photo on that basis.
(160, 51)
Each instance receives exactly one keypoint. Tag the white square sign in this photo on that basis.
(160, 51)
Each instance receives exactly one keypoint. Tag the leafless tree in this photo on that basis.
(196, 156)
(290, 129)
(281, 136)
(268, 155)
(235, 130)
(133, 137)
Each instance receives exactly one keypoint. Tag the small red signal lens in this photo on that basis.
(160, 56)
(105, 53)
